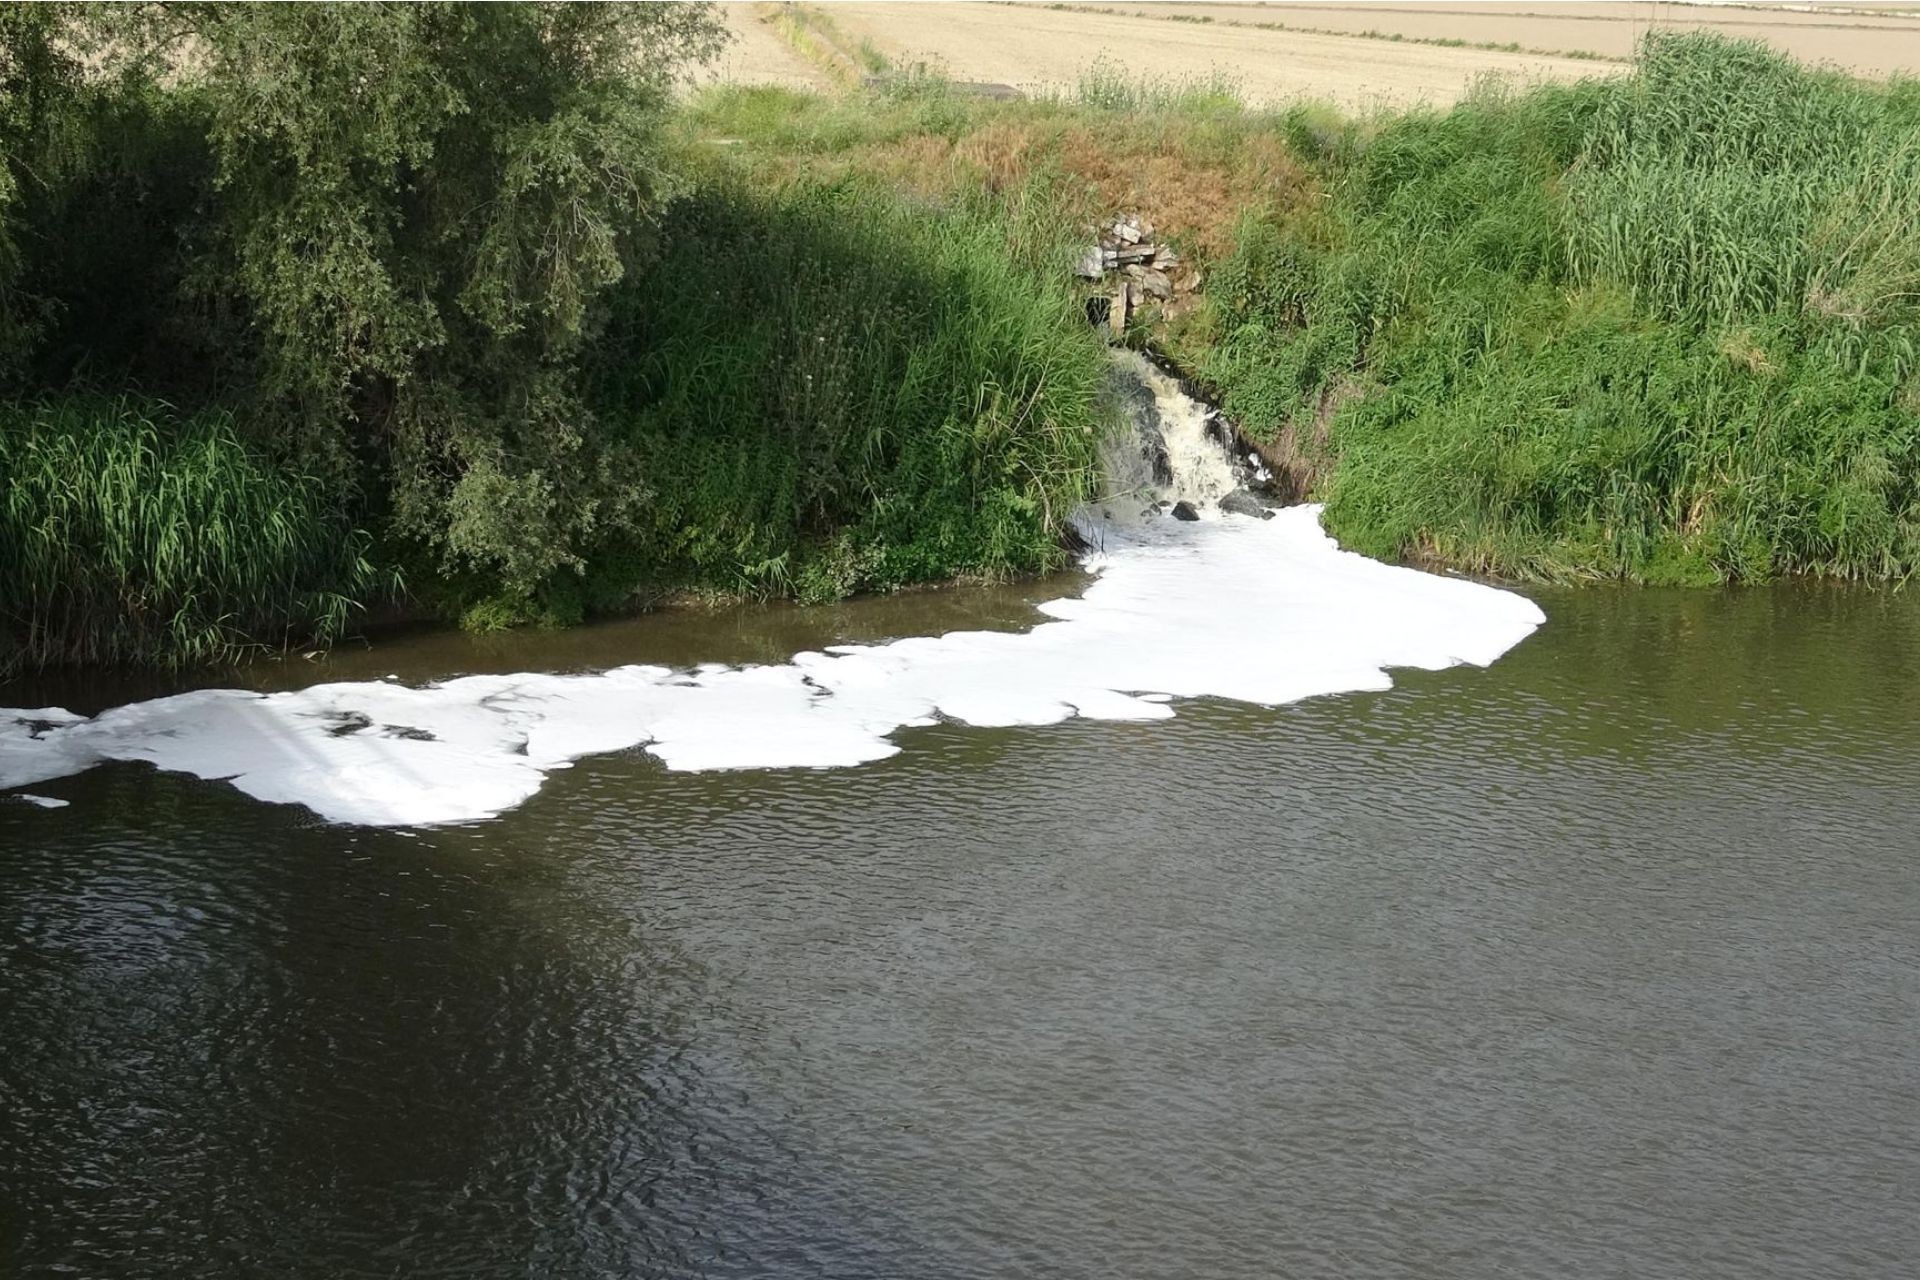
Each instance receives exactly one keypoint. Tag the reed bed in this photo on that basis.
(130, 535)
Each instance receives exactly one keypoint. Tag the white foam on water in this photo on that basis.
(1264, 612)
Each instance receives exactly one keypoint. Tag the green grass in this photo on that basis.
(830, 389)
(1108, 87)
(129, 535)
(1663, 328)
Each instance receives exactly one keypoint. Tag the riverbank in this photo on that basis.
(1660, 329)
(1656, 328)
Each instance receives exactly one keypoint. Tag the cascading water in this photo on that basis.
(1171, 454)
(1261, 607)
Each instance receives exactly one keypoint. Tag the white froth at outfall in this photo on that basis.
(1259, 611)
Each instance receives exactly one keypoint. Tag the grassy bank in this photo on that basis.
(1661, 328)
(554, 345)
(507, 339)
(1664, 329)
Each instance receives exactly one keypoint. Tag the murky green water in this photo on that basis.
(1602, 962)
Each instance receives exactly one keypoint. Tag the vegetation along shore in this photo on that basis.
(312, 312)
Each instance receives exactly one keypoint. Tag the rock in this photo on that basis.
(1185, 511)
(1128, 231)
(1157, 284)
(1242, 503)
(1091, 264)
(1143, 411)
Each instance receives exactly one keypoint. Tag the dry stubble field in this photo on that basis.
(1319, 51)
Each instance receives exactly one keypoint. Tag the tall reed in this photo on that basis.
(128, 534)
(1663, 328)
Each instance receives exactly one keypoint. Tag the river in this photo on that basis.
(1602, 961)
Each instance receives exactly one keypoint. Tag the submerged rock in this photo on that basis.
(1242, 503)
(1185, 511)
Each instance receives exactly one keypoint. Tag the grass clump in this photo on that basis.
(1661, 328)
(1108, 87)
(131, 535)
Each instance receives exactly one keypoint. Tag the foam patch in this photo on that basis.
(1264, 612)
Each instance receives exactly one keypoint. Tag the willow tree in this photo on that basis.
(414, 211)
(36, 76)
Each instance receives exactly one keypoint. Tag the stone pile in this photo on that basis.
(1138, 267)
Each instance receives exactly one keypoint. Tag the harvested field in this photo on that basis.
(1280, 52)
(1874, 40)
(1041, 49)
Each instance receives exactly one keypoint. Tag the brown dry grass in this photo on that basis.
(1193, 196)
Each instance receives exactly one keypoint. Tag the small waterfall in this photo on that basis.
(1173, 452)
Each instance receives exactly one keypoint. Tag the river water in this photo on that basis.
(1604, 960)
(1137, 923)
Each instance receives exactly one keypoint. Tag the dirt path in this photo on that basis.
(758, 54)
(1033, 47)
